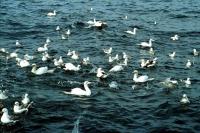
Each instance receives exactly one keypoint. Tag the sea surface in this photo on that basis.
(148, 108)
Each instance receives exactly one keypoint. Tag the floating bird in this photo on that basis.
(124, 55)
(108, 51)
(79, 91)
(188, 64)
(151, 51)
(25, 100)
(71, 67)
(101, 73)
(86, 61)
(68, 32)
(6, 118)
(187, 82)
(69, 53)
(172, 55)
(41, 70)
(168, 83)
(50, 14)
(146, 44)
(19, 109)
(131, 32)
(184, 99)
(48, 40)
(63, 37)
(111, 59)
(28, 57)
(195, 52)
(22, 62)
(74, 55)
(3, 50)
(140, 79)
(175, 37)
(116, 68)
(114, 85)
(43, 49)
(148, 63)
(3, 95)
(57, 28)
(18, 44)
(13, 54)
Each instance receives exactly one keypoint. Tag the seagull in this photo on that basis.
(28, 57)
(41, 70)
(114, 85)
(43, 49)
(3, 95)
(111, 59)
(6, 118)
(68, 32)
(108, 51)
(116, 68)
(22, 62)
(13, 54)
(101, 73)
(184, 99)
(151, 51)
(131, 32)
(172, 55)
(19, 109)
(3, 50)
(86, 61)
(140, 79)
(124, 55)
(175, 37)
(195, 52)
(48, 40)
(148, 63)
(188, 64)
(25, 100)
(69, 53)
(57, 28)
(71, 67)
(74, 55)
(168, 83)
(146, 44)
(187, 82)
(18, 44)
(50, 14)
(79, 91)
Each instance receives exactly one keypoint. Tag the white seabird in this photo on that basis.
(108, 51)
(188, 64)
(19, 109)
(6, 118)
(131, 32)
(101, 73)
(175, 37)
(25, 100)
(41, 70)
(184, 99)
(116, 68)
(50, 14)
(146, 44)
(43, 49)
(79, 91)
(172, 55)
(3, 95)
(22, 62)
(71, 67)
(140, 79)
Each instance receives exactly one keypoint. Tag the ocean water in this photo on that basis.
(147, 108)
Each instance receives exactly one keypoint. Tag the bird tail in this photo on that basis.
(150, 79)
(66, 92)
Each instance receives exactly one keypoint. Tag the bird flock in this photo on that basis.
(119, 62)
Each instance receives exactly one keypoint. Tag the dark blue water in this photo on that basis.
(146, 109)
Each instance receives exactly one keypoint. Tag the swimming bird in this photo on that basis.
(188, 64)
(71, 67)
(124, 55)
(108, 51)
(116, 68)
(18, 44)
(184, 99)
(175, 37)
(69, 53)
(43, 49)
(68, 32)
(131, 32)
(74, 55)
(13, 54)
(114, 85)
(79, 91)
(48, 40)
(28, 57)
(86, 61)
(151, 51)
(101, 73)
(140, 79)
(172, 55)
(3, 95)
(148, 63)
(57, 28)
(50, 14)
(111, 59)
(22, 62)
(187, 82)
(41, 70)
(169, 83)
(6, 118)
(63, 37)
(195, 52)
(146, 44)
(19, 109)
(3, 50)
(25, 100)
